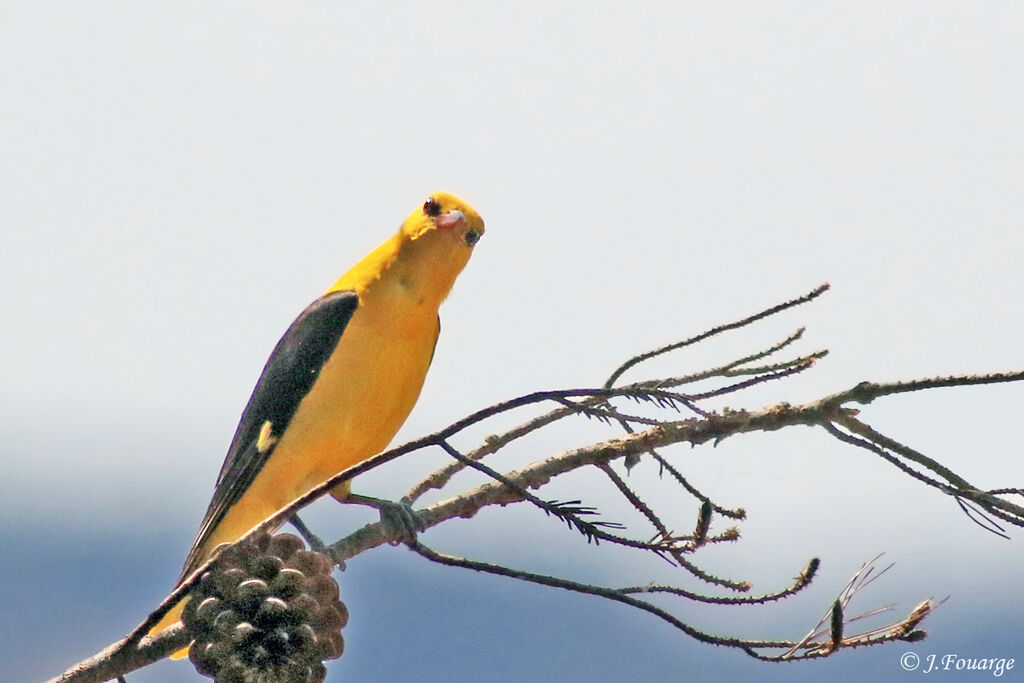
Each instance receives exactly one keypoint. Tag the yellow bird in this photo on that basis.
(342, 379)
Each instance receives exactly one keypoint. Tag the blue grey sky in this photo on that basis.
(180, 179)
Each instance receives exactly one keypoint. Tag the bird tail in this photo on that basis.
(170, 619)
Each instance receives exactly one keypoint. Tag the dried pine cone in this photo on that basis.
(267, 611)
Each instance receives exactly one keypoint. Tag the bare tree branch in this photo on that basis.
(645, 434)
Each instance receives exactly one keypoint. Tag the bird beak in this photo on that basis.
(449, 219)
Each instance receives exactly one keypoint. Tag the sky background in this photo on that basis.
(180, 179)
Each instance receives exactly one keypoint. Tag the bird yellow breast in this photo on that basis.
(363, 395)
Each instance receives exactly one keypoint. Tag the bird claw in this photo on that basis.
(402, 521)
(399, 519)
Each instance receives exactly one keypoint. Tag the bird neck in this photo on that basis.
(422, 270)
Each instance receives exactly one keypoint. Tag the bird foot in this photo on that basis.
(401, 520)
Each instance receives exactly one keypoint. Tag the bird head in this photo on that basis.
(445, 217)
(426, 254)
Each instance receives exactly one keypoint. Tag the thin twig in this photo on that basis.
(609, 593)
(810, 296)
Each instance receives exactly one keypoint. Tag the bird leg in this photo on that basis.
(314, 541)
(404, 522)
(311, 539)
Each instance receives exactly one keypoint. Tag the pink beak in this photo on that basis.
(449, 219)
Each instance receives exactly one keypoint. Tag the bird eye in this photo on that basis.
(432, 207)
(471, 237)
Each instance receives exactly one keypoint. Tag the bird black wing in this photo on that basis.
(289, 374)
